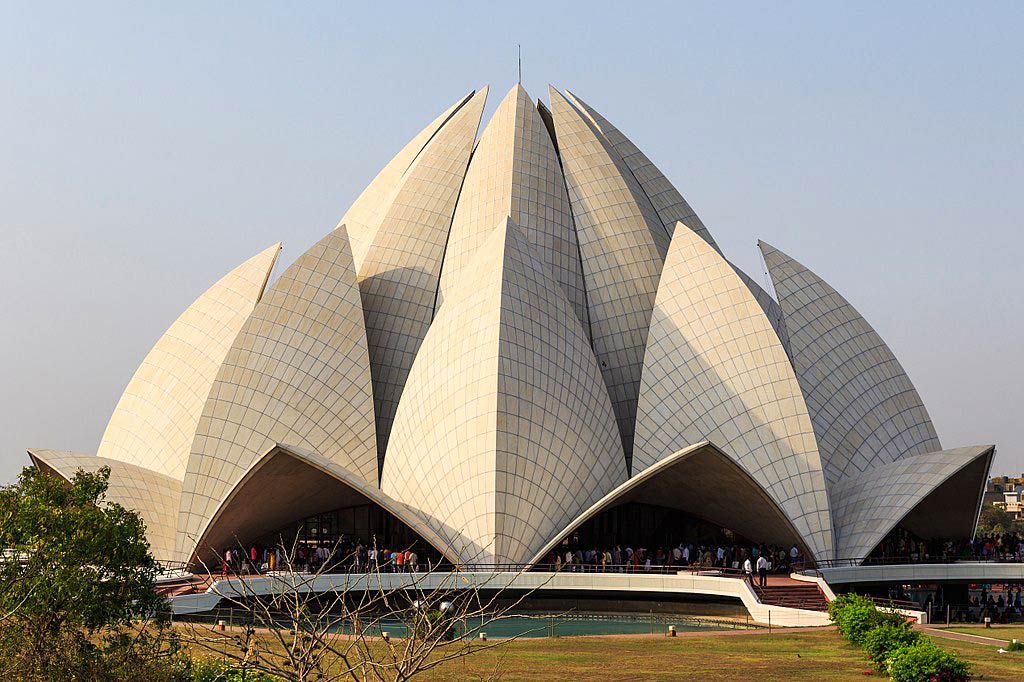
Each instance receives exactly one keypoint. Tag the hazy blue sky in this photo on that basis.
(148, 148)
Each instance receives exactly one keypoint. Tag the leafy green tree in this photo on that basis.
(77, 599)
(996, 521)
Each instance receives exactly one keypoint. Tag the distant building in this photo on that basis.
(1007, 493)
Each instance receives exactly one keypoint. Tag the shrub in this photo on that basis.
(434, 625)
(840, 607)
(925, 661)
(1015, 645)
(885, 639)
(856, 615)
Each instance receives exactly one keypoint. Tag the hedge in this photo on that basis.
(892, 644)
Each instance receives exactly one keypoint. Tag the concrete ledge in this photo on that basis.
(974, 571)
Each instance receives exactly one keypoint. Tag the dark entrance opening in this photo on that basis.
(348, 530)
(631, 534)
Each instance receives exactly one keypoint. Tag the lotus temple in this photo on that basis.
(521, 332)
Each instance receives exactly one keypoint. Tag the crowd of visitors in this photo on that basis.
(1001, 608)
(356, 555)
(626, 559)
(903, 547)
(999, 602)
(342, 557)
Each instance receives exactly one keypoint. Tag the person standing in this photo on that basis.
(762, 571)
(748, 571)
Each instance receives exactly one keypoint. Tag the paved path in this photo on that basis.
(964, 637)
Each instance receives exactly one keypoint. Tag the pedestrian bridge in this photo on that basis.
(707, 584)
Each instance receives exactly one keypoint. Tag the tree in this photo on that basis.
(996, 521)
(77, 598)
(298, 626)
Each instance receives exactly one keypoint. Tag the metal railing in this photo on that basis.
(167, 567)
(389, 568)
(905, 604)
(540, 624)
(812, 565)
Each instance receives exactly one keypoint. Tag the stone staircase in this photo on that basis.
(189, 585)
(792, 594)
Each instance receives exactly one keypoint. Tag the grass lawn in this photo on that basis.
(986, 664)
(791, 655)
(1006, 632)
(785, 655)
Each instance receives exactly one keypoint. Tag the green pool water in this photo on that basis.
(572, 626)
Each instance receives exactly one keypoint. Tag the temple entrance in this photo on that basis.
(645, 525)
(345, 530)
(902, 545)
(641, 536)
(293, 500)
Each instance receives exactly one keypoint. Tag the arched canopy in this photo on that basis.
(704, 482)
(287, 484)
(150, 493)
(933, 495)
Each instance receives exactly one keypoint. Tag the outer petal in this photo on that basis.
(153, 495)
(666, 199)
(505, 432)
(936, 494)
(623, 246)
(715, 370)
(298, 372)
(155, 419)
(363, 218)
(865, 410)
(399, 277)
(771, 308)
(515, 173)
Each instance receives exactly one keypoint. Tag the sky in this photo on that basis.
(148, 148)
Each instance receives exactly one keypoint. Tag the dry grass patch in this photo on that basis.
(791, 655)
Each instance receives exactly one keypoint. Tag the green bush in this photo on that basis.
(885, 639)
(840, 608)
(1015, 645)
(434, 624)
(856, 615)
(925, 661)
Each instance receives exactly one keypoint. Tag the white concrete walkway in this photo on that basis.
(579, 584)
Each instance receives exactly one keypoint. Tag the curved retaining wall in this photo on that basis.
(539, 583)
